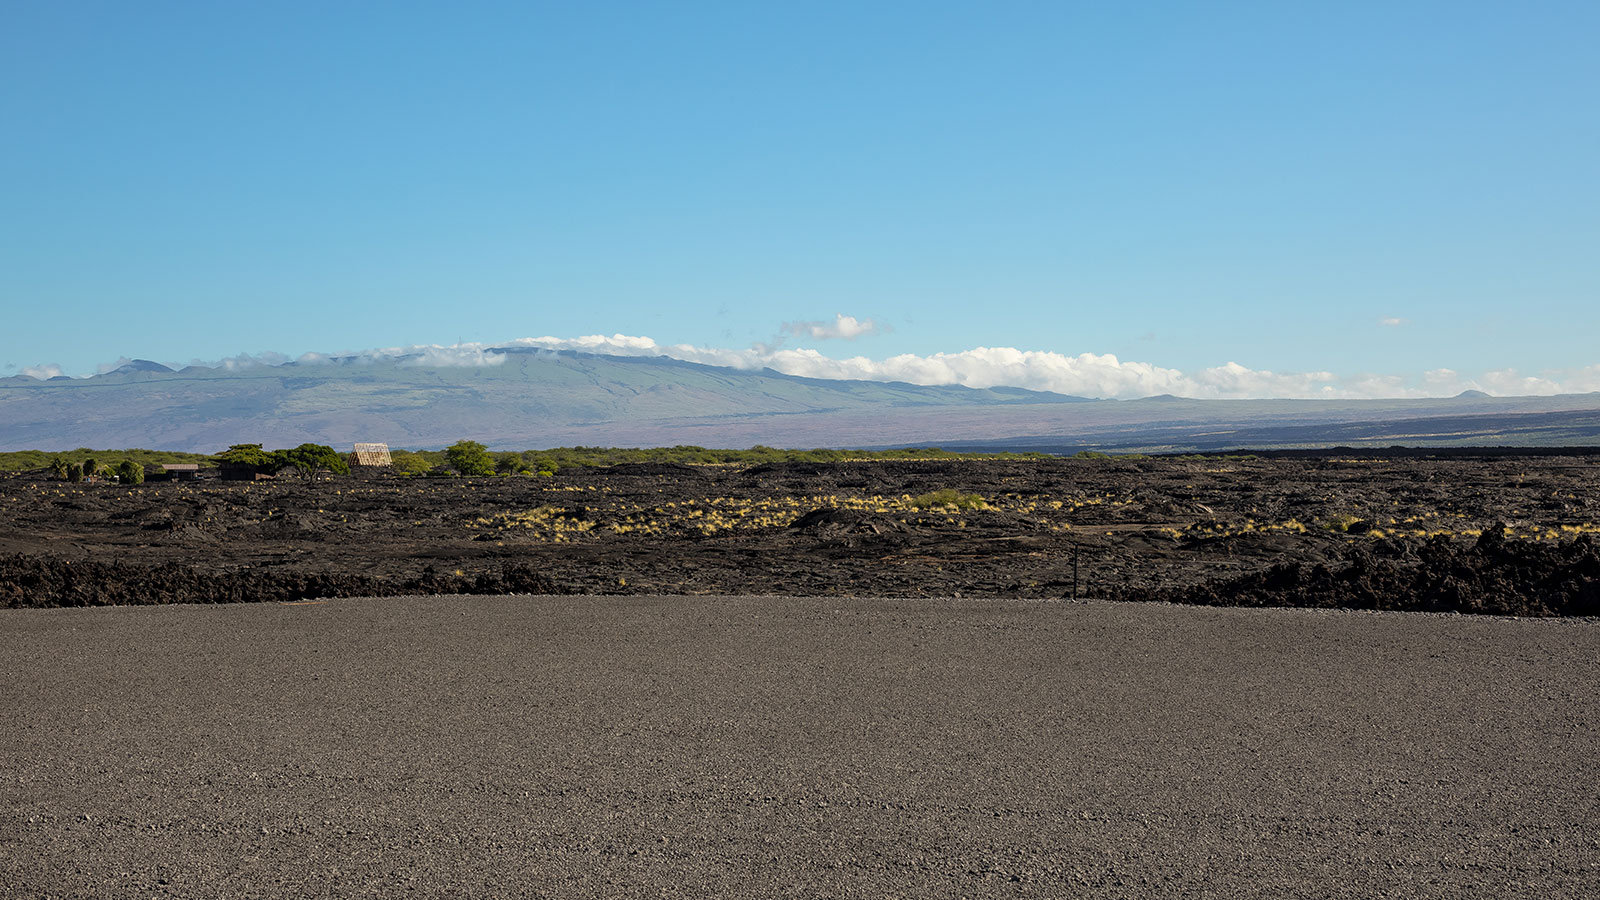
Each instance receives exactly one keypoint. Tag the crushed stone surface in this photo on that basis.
(735, 746)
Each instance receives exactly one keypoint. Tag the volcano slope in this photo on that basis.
(1497, 534)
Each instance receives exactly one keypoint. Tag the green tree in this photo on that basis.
(311, 460)
(58, 468)
(130, 472)
(406, 462)
(511, 464)
(74, 472)
(248, 455)
(469, 458)
(90, 468)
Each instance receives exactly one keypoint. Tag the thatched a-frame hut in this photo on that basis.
(370, 455)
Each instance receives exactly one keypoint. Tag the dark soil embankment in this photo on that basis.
(1493, 576)
(32, 581)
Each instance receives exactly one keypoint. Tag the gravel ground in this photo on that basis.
(774, 747)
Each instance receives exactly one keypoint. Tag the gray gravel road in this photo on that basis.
(772, 747)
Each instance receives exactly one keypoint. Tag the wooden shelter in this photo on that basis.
(374, 455)
(176, 472)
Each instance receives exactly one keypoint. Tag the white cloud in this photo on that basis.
(1234, 380)
(1089, 374)
(437, 355)
(616, 344)
(43, 371)
(243, 361)
(474, 356)
(845, 327)
(1509, 383)
(1393, 322)
(1084, 374)
(1581, 380)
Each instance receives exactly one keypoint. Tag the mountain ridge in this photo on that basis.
(536, 397)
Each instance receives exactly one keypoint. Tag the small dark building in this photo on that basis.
(176, 472)
(241, 472)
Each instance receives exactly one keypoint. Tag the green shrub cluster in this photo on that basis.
(308, 460)
(1340, 524)
(25, 460)
(125, 472)
(549, 462)
(948, 498)
(408, 462)
(472, 458)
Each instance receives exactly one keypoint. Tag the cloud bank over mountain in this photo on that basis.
(1085, 374)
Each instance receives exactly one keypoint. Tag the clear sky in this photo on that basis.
(1364, 191)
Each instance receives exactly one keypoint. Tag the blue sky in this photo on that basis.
(1366, 192)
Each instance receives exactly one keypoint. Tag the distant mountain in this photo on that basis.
(532, 397)
(542, 398)
(138, 365)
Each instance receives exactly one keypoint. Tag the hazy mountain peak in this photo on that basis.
(133, 366)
